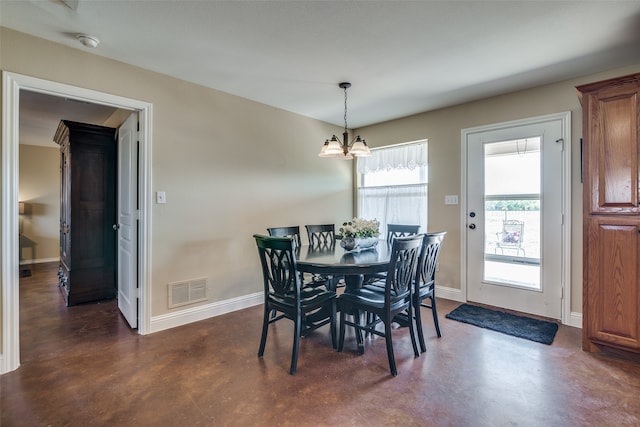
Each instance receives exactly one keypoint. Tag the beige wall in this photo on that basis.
(443, 129)
(230, 167)
(40, 189)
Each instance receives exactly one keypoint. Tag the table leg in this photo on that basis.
(354, 281)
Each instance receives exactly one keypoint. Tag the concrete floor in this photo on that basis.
(83, 366)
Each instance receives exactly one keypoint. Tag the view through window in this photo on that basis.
(512, 212)
(392, 185)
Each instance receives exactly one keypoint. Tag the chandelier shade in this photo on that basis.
(344, 149)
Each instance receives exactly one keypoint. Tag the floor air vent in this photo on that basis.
(187, 292)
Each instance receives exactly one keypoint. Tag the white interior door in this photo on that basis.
(515, 207)
(128, 220)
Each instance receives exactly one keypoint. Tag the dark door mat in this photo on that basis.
(519, 326)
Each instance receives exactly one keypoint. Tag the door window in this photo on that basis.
(512, 212)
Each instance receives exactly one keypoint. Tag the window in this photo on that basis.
(392, 185)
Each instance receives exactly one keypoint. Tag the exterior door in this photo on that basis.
(128, 220)
(515, 207)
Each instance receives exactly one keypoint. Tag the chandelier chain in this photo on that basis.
(345, 110)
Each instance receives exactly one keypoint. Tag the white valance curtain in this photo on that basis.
(407, 156)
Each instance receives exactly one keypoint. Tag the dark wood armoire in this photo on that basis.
(87, 269)
(611, 215)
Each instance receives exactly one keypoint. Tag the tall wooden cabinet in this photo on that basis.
(87, 269)
(611, 214)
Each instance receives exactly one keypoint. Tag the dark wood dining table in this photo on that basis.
(335, 261)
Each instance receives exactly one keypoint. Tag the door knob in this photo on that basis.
(472, 226)
(116, 226)
(472, 214)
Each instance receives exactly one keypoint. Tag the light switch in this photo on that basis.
(161, 197)
(451, 199)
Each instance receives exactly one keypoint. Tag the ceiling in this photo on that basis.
(402, 57)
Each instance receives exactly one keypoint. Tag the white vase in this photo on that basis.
(366, 242)
(358, 243)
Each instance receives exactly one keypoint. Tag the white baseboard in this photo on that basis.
(450, 293)
(575, 320)
(39, 261)
(202, 312)
(3, 368)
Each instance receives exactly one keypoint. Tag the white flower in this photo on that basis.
(359, 227)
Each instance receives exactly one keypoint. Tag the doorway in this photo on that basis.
(516, 215)
(12, 85)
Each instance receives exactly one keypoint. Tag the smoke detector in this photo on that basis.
(88, 41)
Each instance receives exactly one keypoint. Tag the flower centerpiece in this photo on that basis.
(359, 234)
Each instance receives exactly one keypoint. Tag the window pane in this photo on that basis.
(512, 213)
(512, 167)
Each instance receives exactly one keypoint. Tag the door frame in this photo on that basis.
(12, 84)
(565, 118)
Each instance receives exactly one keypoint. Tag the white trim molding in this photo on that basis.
(450, 294)
(202, 312)
(12, 84)
(567, 317)
(575, 320)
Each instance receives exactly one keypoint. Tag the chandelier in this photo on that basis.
(343, 149)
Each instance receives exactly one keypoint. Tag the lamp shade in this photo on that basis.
(359, 148)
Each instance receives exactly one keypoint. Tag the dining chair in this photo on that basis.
(393, 231)
(425, 282)
(292, 231)
(321, 235)
(314, 280)
(385, 305)
(401, 230)
(308, 308)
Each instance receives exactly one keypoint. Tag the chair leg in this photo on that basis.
(411, 319)
(418, 315)
(296, 345)
(434, 311)
(332, 327)
(265, 329)
(390, 356)
(369, 319)
(341, 336)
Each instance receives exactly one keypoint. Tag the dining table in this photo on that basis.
(333, 260)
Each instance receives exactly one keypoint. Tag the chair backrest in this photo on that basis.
(512, 233)
(400, 230)
(278, 259)
(293, 231)
(428, 261)
(322, 235)
(402, 268)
